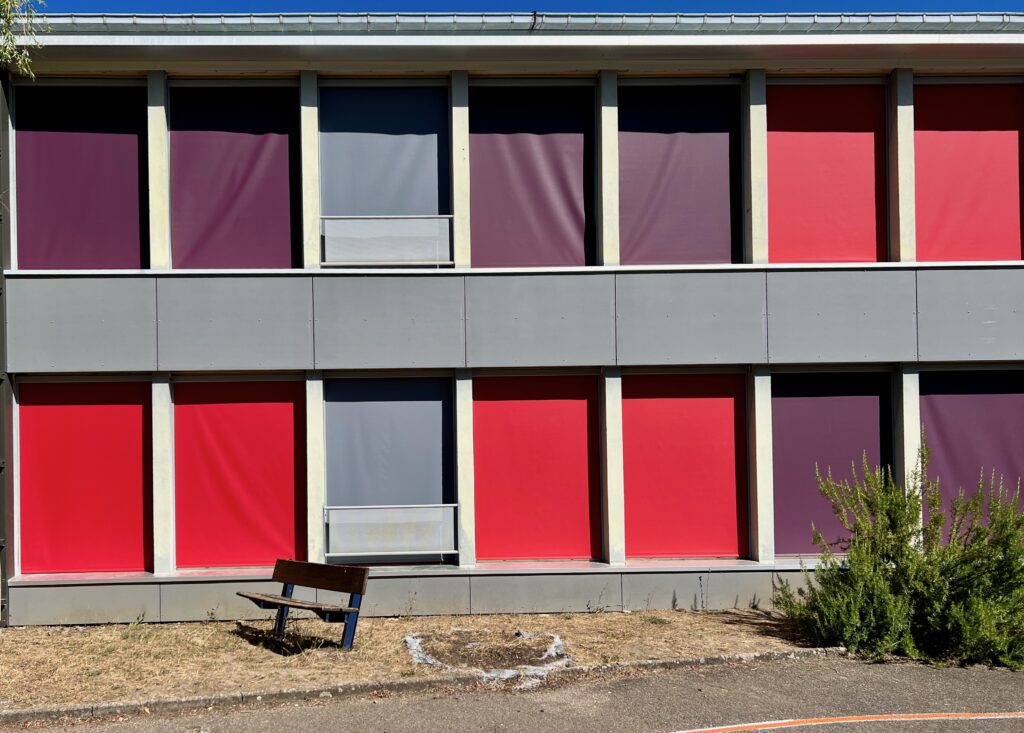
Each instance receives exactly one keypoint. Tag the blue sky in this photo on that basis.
(637, 6)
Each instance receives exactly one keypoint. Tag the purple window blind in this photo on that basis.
(973, 423)
(235, 186)
(532, 188)
(81, 178)
(829, 420)
(679, 156)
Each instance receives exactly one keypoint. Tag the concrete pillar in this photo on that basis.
(12, 481)
(162, 412)
(465, 474)
(309, 99)
(8, 207)
(760, 485)
(316, 468)
(902, 222)
(908, 422)
(158, 160)
(755, 167)
(460, 168)
(608, 169)
(613, 505)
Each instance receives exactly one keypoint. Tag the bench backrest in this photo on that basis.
(341, 578)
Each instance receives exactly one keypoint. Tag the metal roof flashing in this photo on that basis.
(314, 24)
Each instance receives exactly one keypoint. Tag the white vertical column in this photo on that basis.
(460, 168)
(613, 505)
(908, 422)
(13, 523)
(316, 468)
(755, 167)
(158, 160)
(608, 169)
(465, 474)
(9, 259)
(309, 125)
(761, 488)
(902, 221)
(162, 411)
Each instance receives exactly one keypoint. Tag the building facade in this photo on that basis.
(532, 312)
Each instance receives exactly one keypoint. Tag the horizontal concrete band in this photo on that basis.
(66, 603)
(377, 321)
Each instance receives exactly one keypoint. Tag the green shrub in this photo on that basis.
(948, 590)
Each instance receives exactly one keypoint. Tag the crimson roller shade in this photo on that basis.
(826, 173)
(239, 473)
(679, 174)
(828, 421)
(531, 152)
(684, 442)
(537, 468)
(974, 424)
(86, 477)
(235, 184)
(967, 142)
(81, 178)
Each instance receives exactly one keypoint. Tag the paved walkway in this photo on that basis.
(662, 702)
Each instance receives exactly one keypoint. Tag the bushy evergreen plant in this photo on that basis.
(914, 578)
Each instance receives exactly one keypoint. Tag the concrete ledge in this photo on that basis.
(103, 710)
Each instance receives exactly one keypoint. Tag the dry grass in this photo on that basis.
(45, 666)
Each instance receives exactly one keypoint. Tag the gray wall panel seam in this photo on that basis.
(312, 321)
(917, 316)
(156, 322)
(767, 324)
(615, 316)
(465, 322)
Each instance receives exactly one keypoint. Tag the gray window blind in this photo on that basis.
(389, 442)
(385, 189)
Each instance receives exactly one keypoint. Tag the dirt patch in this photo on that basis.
(486, 649)
(45, 666)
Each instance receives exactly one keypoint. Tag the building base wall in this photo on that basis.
(38, 603)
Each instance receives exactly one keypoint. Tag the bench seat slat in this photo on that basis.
(296, 603)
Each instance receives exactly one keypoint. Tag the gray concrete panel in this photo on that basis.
(842, 316)
(540, 320)
(83, 604)
(971, 314)
(697, 591)
(385, 322)
(545, 593)
(218, 601)
(425, 596)
(252, 323)
(691, 318)
(81, 324)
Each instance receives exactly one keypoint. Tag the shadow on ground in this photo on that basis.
(288, 644)
(770, 624)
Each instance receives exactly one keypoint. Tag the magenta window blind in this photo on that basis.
(531, 167)
(679, 175)
(81, 178)
(235, 186)
(828, 421)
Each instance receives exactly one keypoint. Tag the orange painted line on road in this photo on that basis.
(893, 718)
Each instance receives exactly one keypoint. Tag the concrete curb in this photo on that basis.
(104, 710)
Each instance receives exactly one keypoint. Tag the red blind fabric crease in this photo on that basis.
(86, 477)
(537, 468)
(967, 151)
(684, 443)
(239, 473)
(826, 173)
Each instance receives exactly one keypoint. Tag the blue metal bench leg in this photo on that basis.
(351, 620)
(282, 611)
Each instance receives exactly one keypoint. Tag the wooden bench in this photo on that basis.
(349, 579)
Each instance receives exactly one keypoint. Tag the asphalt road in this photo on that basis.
(650, 702)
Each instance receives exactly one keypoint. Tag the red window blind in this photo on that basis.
(240, 467)
(967, 156)
(684, 448)
(537, 468)
(86, 477)
(826, 173)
